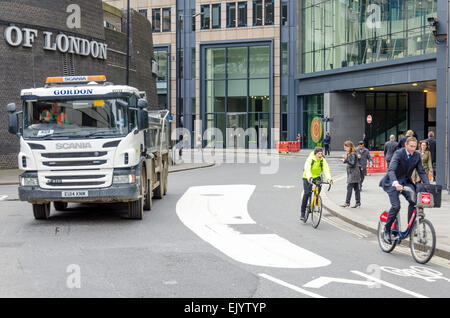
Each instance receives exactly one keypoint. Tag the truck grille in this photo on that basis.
(73, 163)
(76, 181)
(65, 155)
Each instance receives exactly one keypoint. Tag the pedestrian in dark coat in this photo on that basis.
(389, 148)
(353, 174)
(326, 143)
(432, 148)
(363, 157)
(401, 142)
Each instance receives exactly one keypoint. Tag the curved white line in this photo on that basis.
(210, 210)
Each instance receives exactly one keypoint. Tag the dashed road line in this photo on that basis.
(290, 286)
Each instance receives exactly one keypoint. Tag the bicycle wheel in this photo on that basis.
(422, 241)
(385, 247)
(316, 213)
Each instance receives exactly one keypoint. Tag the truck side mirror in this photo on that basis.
(142, 119)
(13, 123)
(142, 103)
(11, 108)
(13, 119)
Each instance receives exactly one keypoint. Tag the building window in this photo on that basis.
(166, 19)
(162, 80)
(284, 118)
(284, 13)
(205, 10)
(257, 12)
(268, 12)
(193, 19)
(231, 15)
(193, 64)
(242, 14)
(143, 12)
(156, 20)
(216, 22)
(284, 59)
(237, 94)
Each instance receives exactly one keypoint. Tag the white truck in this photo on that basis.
(85, 140)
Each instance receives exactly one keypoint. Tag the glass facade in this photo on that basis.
(340, 33)
(161, 56)
(312, 124)
(237, 92)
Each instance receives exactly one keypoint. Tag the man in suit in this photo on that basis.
(389, 148)
(432, 148)
(403, 163)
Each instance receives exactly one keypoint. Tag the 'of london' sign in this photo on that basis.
(15, 36)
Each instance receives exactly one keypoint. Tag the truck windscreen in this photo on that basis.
(76, 118)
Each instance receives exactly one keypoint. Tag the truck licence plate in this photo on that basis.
(74, 194)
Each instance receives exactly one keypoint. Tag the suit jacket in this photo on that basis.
(399, 169)
(432, 143)
(389, 148)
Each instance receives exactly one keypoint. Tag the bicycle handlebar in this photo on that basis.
(411, 191)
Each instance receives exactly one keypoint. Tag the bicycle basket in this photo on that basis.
(428, 195)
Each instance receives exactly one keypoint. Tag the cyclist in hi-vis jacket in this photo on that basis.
(314, 166)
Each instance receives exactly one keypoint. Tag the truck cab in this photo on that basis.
(88, 141)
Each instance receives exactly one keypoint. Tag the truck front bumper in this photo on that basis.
(114, 193)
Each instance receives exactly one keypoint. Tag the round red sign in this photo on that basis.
(369, 119)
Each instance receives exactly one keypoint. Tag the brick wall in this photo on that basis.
(28, 67)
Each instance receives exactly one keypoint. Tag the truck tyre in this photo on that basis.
(41, 211)
(159, 190)
(136, 208)
(166, 175)
(60, 206)
(148, 201)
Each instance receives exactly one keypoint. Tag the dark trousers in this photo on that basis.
(327, 150)
(394, 197)
(363, 175)
(350, 187)
(307, 190)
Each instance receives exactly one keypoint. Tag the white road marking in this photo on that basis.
(382, 282)
(210, 210)
(293, 287)
(322, 281)
(3, 197)
(284, 186)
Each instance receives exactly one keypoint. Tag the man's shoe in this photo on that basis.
(387, 237)
(345, 205)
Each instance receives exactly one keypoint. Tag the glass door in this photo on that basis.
(236, 126)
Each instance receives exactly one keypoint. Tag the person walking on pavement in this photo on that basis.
(427, 164)
(365, 141)
(314, 166)
(389, 148)
(326, 143)
(401, 142)
(353, 174)
(432, 148)
(363, 156)
(398, 176)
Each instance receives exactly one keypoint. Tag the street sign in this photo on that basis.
(369, 119)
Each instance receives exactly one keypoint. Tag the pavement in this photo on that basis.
(374, 201)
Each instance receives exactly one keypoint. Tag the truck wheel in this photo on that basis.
(136, 208)
(41, 211)
(159, 190)
(60, 206)
(148, 201)
(166, 175)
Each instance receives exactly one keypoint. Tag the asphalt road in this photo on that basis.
(226, 231)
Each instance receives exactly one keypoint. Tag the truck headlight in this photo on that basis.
(28, 182)
(124, 178)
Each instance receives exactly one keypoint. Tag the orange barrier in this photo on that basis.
(288, 146)
(282, 146)
(379, 163)
(294, 146)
